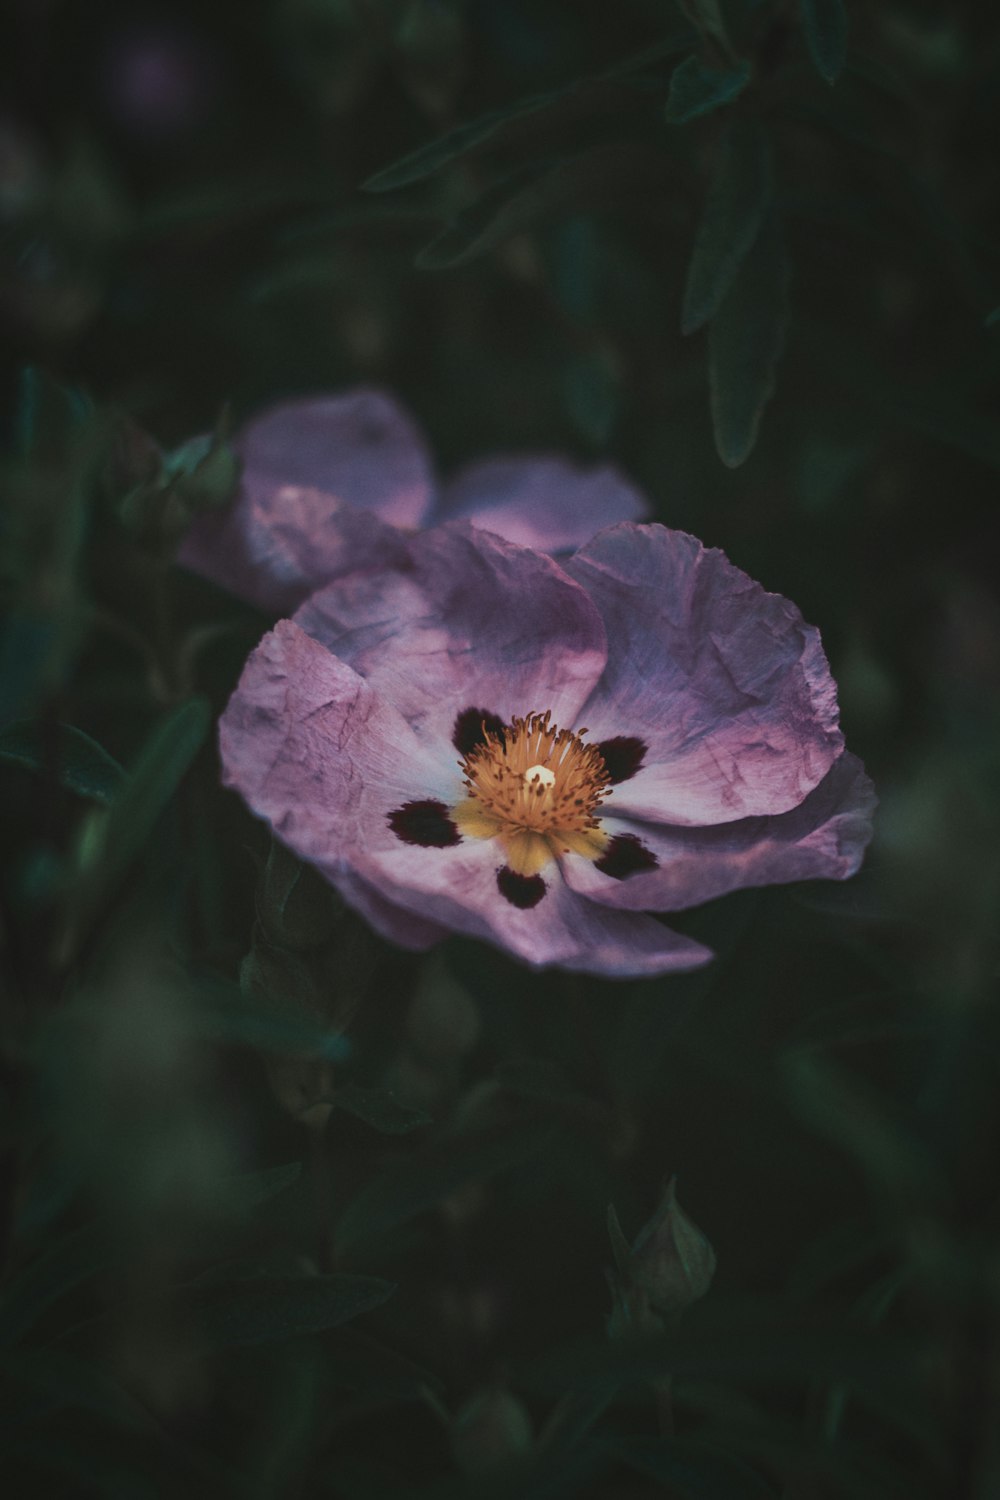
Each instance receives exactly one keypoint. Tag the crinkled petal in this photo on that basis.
(824, 838)
(401, 927)
(724, 683)
(472, 622)
(274, 549)
(313, 750)
(457, 888)
(362, 448)
(542, 502)
(324, 482)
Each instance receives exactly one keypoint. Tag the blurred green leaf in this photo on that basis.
(421, 1179)
(117, 834)
(72, 1260)
(249, 1189)
(430, 158)
(735, 1345)
(224, 1012)
(696, 89)
(708, 17)
(848, 1111)
(59, 750)
(692, 1469)
(266, 1309)
(825, 25)
(72, 1381)
(537, 190)
(739, 192)
(29, 642)
(745, 340)
(380, 1109)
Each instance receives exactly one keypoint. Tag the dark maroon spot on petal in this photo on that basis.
(472, 726)
(523, 891)
(622, 756)
(626, 856)
(424, 823)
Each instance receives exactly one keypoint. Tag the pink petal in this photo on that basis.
(724, 683)
(541, 502)
(324, 483)
(824, 838)
(313, 750)
(457, 888)
(361, 448)
(474, 622)
(274, 550)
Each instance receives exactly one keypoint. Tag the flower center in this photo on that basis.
(537, 789)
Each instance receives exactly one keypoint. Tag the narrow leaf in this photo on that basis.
(248, 1189)
(71, 1261)
(380, 1109)
(696, 89)
(423, 1178)
(430, 158)
(738, 195)
(267, 1309)
(745, 341)
(119, 833)
(692, 1470)
(66, 754)
(825, 25)
(592, 178)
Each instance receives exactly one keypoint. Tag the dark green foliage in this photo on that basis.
(228, 1109)
(825, 25)
(739, 194)
(66, 754)
(745, 340)
(696, 89)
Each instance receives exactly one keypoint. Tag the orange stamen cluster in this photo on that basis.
(537, 789)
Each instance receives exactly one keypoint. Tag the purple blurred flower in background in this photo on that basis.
(335, 483)
(486, 741)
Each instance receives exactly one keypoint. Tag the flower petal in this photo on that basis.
(274, 549)
(542, 502)
(824, 838)
(313, 750)
(324, 482)
(471, 622)
(362, 448)
(461, 889)
(724, 683)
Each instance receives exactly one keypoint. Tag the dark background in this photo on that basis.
(231, 1119)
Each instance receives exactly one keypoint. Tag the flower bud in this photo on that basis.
(671, 1260)
(491, 1428)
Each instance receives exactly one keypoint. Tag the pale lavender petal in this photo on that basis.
(324, 483)
(274, 549)
(473, 622)
(393, 922)
(361, 448)
(457, 888)
(313, 750)
(723, 683)
(543, 502)
(824, 838)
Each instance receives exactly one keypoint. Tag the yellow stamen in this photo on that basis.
(536, 788)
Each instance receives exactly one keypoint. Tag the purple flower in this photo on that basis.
(486, 741)
(335, 483)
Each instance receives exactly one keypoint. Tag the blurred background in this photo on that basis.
(287, 1213)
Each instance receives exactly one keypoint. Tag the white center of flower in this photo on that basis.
(540, 775)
